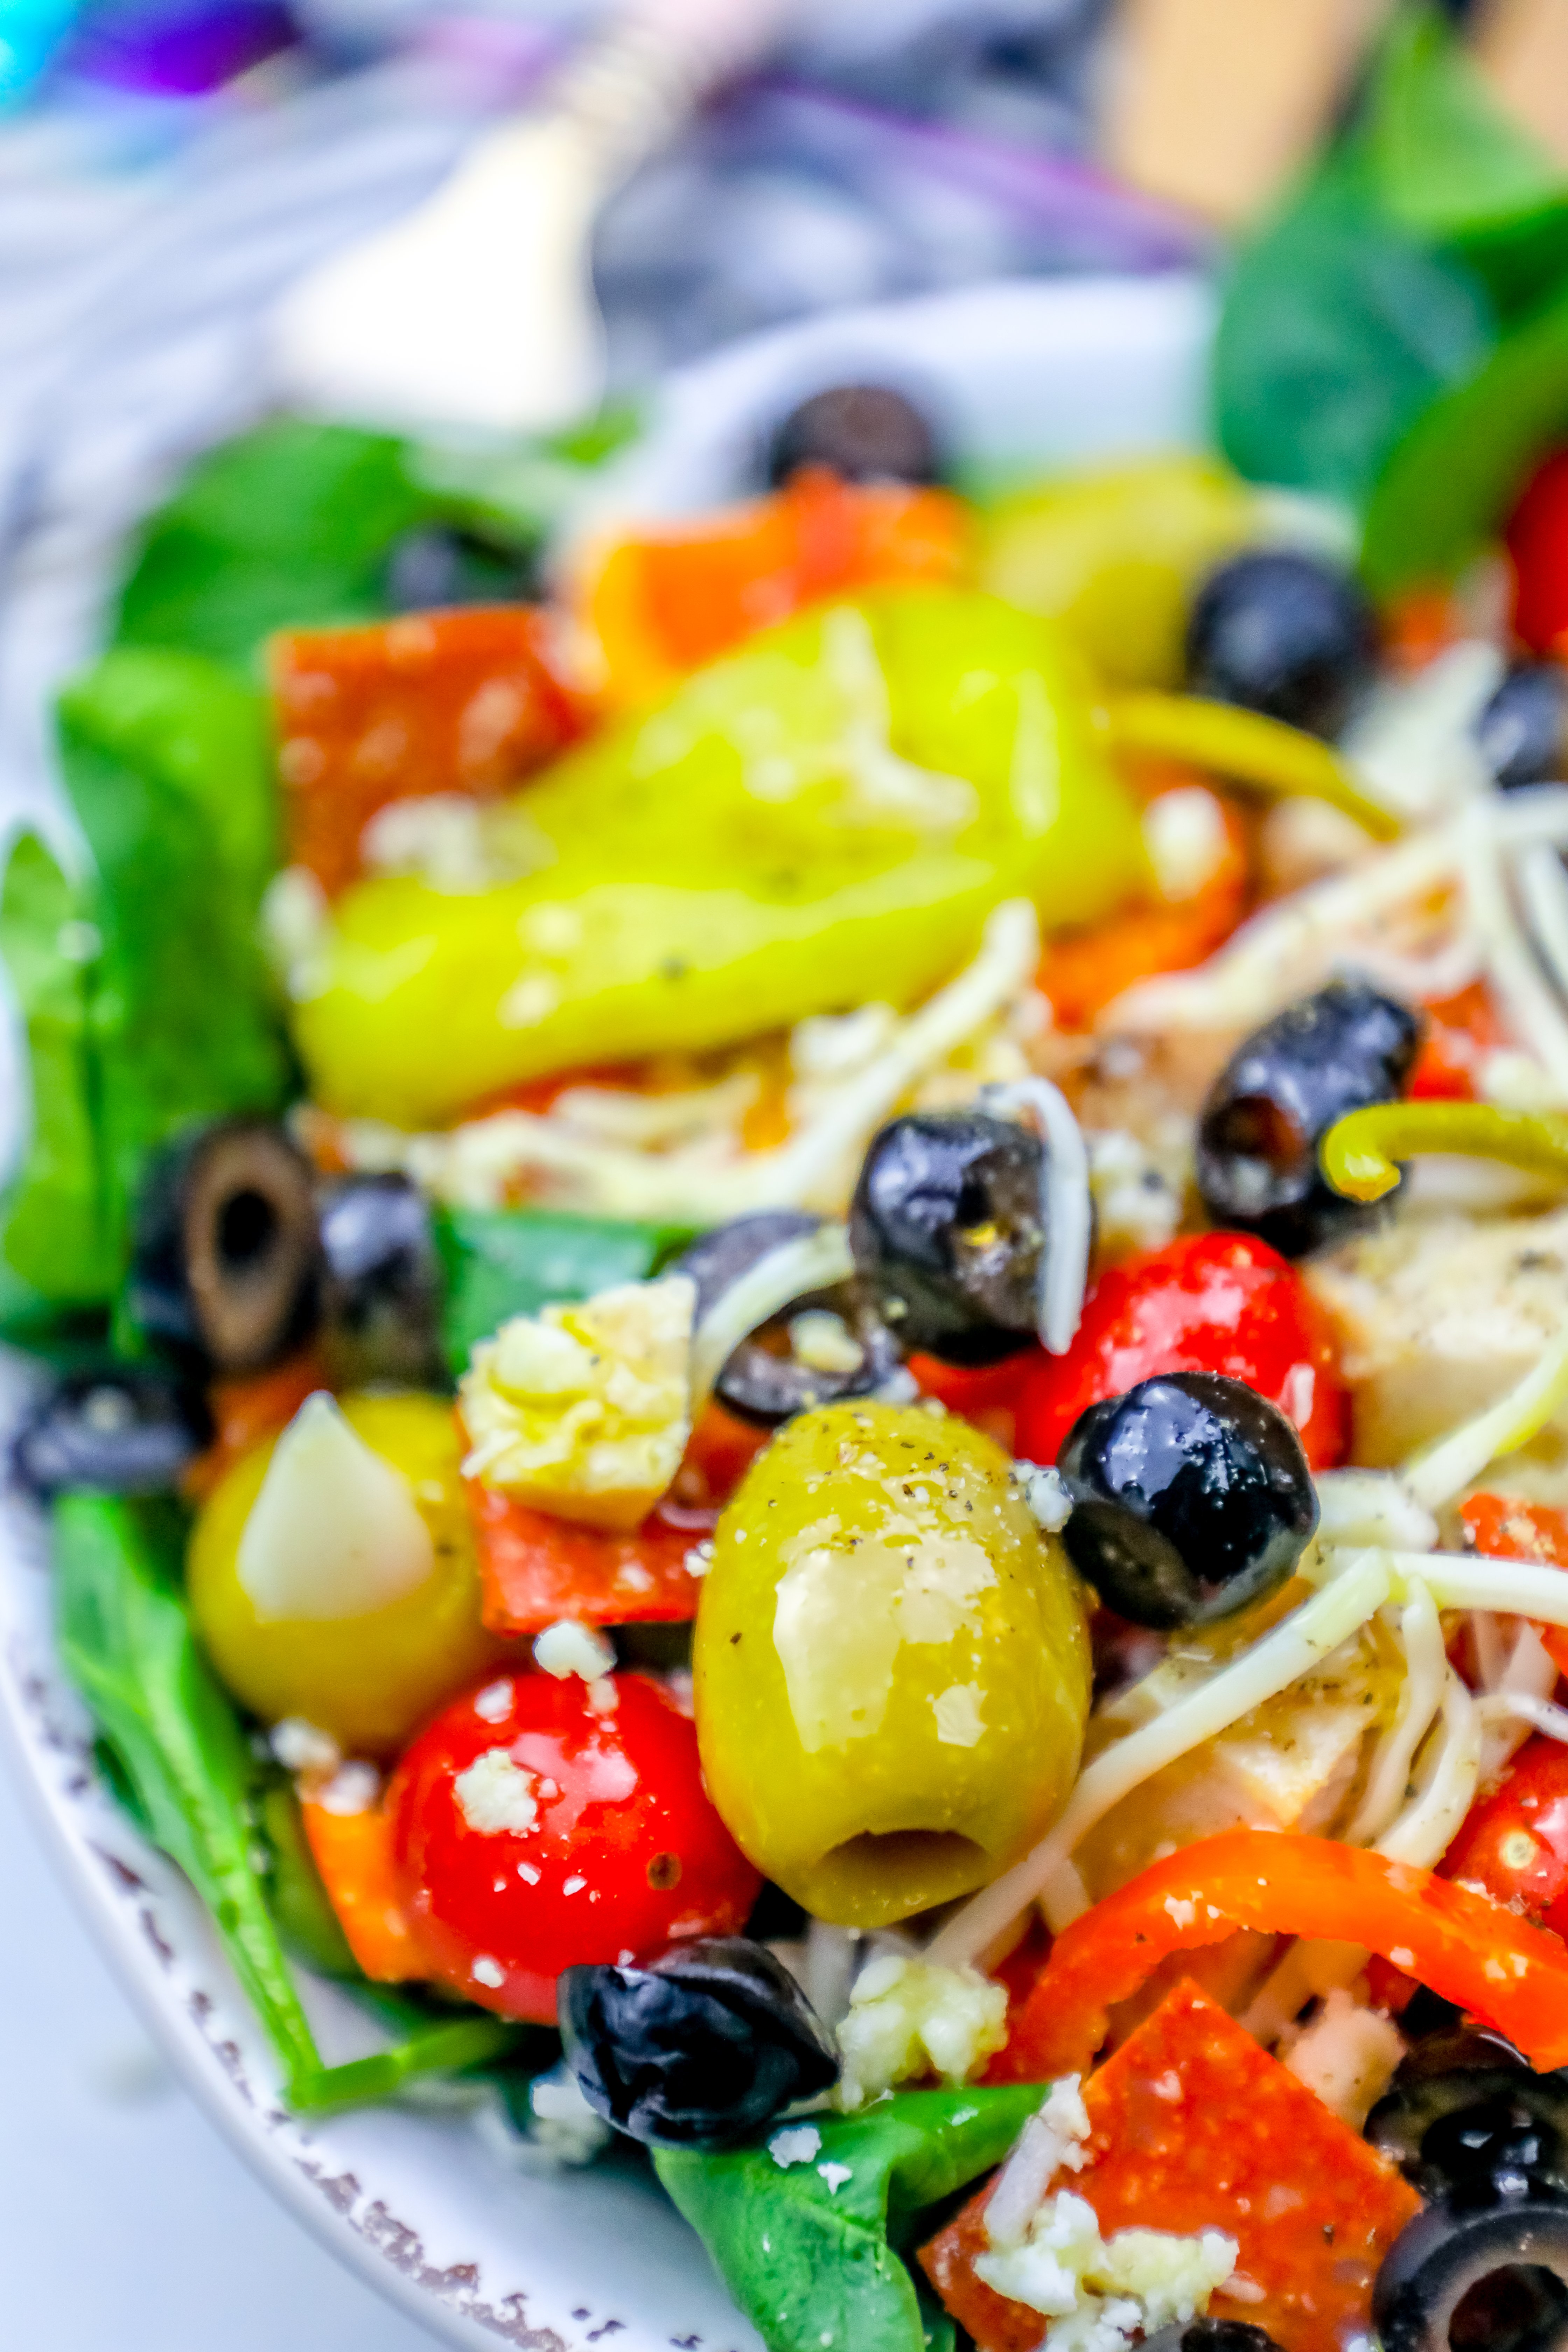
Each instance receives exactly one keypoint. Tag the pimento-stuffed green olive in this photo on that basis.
(891, 1665)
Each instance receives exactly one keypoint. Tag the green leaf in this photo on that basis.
(126, 1642)
(1448, 159)
(503, 1262)
(57, 1240)
(295, 1895)
(1451, 482)
(166, 762)
(1340, 327)
(284, 527)
(810, 2259)
(450, 2046)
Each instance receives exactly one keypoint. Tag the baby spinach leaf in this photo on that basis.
(807, 2250)
(126, 1642)
(56, 1240)
(1451, 481)
(1340, 326)
(1446, 156)
(502, 1261)
(166, 760)
(285, 526)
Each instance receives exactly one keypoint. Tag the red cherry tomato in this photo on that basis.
(1537, 539)
(1514, 1843)
(533, 1829)
(1209, 1303)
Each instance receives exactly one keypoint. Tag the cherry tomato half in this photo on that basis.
(1208, 1303)
(537, 1824)
(1537, 538)
(1515, 1842)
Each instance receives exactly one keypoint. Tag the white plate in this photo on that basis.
(416, 2200)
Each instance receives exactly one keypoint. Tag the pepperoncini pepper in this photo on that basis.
(891, 1668)
(824, 817)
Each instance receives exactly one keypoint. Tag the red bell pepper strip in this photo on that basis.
(1498, 1528)
(467, 701)
(1193, 2127)
(1464, 1946)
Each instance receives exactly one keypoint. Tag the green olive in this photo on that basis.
(891, 1663)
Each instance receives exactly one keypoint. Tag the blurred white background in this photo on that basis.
(128, 2222)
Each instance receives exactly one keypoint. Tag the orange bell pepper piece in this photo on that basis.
(662, 605)
(534, 1570)
(1193, 2127)
(1465, 1948)
(1083, 973)
(469, 701)
(1458, 1033)
(1502, 1529)
(352, 1853)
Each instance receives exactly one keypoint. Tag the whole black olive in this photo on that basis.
(225, 1265)
(1485, 2264)
(1464, 2105)
(767, 1378)
(381, 1284)
(947, 1232)
(439, 565)
(865, 432)
(1278, 1097)
(697, 2050)
(1523, 731)
(1191, 1497)
(1280, 632)
(1209, 2336)
(114, 1429)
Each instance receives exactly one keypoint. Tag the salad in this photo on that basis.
(803, 1286)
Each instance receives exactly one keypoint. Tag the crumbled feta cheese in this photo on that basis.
(798, 2145)
(352, 1789)
(584, 1410)
(1099, 2294)
(824, 1342)
(299, 1746)
(1046, 1493)
(486, 1971)
(836, 2175)
(1136, 1206)
(496, 1795)
(908, 2018)
(960, 1716)
(1185, 834)
(568, 1648)
(1050, 2141)
(1347, 2055)
(494, 1703)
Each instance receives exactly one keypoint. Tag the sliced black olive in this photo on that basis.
(697, 2050)
(1523, 731)
(381, 1284)
(1485, 2264)
(225, 1270)
(1191, 1497)
(946, 1231)
(1464, 2104)
(114, 1429)
(1278, 1097)
(865, 432)
(1210, 2335)
(440, 564)
(764, 1381)
(1280, 632)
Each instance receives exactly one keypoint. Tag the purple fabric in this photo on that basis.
(181, 51)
